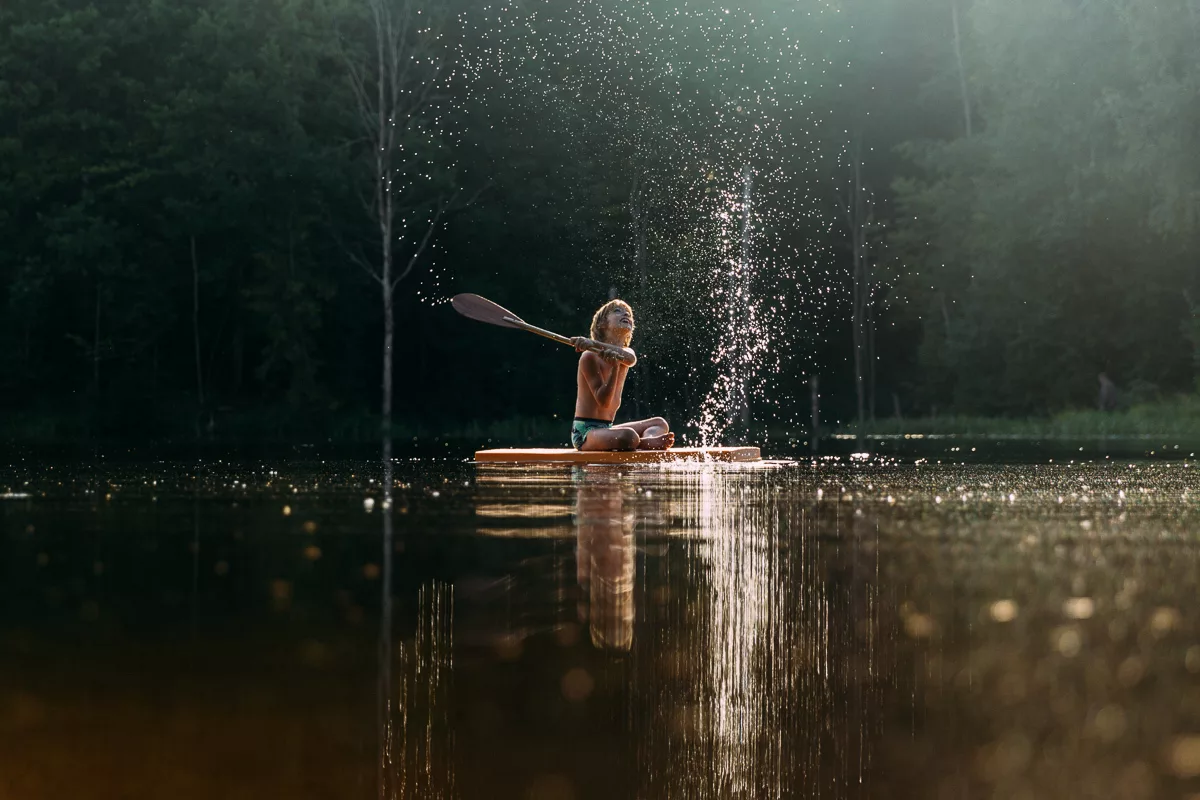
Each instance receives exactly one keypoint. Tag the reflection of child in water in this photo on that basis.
(605, 563)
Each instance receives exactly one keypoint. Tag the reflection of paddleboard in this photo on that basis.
(565, 455)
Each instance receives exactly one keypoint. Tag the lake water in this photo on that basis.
(885, 627)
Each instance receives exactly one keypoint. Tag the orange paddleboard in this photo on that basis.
(566, 455)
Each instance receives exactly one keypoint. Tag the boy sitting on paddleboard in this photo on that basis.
(600, 380)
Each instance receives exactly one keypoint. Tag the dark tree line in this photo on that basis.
(987, 203)
(1058, 238)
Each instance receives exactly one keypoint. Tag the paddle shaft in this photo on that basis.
(525, 326)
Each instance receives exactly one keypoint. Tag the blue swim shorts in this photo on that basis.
(582, 426)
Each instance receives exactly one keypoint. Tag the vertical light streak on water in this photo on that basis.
(766, 675)
(384, 726)
(717, 730)
(417, 759)
(384, 723)
(742, 567)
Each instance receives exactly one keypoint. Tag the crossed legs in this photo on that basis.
(645, 434)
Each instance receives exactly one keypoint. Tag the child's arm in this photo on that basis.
(613, 352)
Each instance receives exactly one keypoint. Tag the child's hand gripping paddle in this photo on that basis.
(481, 309)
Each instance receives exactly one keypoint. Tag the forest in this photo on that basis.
(935, 206)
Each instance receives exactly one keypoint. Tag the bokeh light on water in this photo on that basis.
(838, 627)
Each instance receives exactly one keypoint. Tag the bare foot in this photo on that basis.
(660, 442)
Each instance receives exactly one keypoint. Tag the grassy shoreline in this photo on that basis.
(1176, 418)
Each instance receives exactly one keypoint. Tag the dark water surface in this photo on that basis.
(839, 628)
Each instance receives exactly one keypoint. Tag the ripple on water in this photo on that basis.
(825, 627)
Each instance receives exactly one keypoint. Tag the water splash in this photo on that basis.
(695, 125)
(743, 340)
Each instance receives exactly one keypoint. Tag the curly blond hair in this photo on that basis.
(598, 330)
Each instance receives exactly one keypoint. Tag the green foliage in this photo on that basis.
(1053, 244)
(1175, 419)
(138, 137)
(1191, 332)
(182, 188)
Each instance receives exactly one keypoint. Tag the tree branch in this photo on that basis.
(412, 261)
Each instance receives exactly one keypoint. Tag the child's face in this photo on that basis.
(619, 318)
(618, 324)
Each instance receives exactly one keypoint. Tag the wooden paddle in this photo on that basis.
(481, 309)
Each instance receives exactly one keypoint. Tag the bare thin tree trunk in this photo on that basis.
(962, 73)
(855, 205)
(389, 334)
(237, 350)
(384, 209)
(384, 201)
(196, 323)
(872, 360)
(393, 91)
(814, 388)
(861, 288)
(96, 343)
(383, 138)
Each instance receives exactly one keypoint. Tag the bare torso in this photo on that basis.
(591, 368)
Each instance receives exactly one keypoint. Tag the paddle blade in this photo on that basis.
(481, 309)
